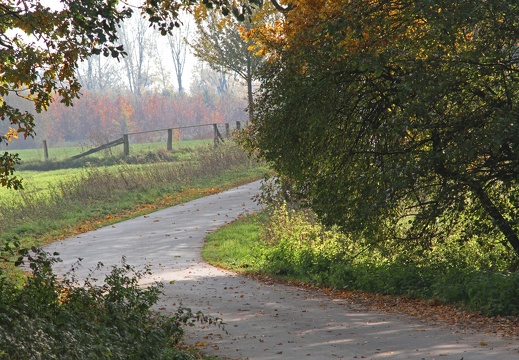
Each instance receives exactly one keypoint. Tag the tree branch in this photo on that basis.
(281, 8)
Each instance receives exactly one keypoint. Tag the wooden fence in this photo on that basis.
(217, 136)
(125, 140)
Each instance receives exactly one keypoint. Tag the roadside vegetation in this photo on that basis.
(288, 242)
(44, 316)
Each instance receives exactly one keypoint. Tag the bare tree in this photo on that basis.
(162, 72)
(137, 42)
(179, 46)
(99, 73)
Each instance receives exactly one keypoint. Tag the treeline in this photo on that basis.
(97, 118)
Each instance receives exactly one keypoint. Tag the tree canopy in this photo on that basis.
(40, 48)
(396, 119)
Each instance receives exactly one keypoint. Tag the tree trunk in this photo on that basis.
(249, 89)
(503, 225)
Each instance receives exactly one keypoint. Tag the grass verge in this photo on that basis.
(237, 245)
(288, 246)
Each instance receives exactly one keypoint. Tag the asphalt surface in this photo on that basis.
(263, 320)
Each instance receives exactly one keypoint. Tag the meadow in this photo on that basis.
(40, 175)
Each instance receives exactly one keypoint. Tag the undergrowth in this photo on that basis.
(290, 243)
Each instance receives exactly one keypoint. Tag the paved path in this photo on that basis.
(264, 321)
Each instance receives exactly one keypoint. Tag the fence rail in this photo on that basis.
(99, 148)
(125, 139)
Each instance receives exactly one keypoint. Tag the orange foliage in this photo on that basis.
(106, 117)
(357, 26)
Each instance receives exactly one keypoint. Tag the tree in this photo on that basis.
(178, 46)
(220, 43)
(397, 120)
(98, 73)
(40, 48)
(137, 43)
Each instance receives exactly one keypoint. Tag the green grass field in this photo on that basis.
(41, 181)
(63, 153)
(37, 181)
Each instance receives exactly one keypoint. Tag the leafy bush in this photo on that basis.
(53, 318)
(300, 248)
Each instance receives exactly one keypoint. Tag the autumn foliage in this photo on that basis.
(98, 118)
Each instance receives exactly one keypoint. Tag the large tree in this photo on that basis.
(397, 119)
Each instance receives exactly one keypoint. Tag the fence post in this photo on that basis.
(45, 150)
(238, 125)
(227, 130)
(126, 142)
(169, 145)
(216, 140)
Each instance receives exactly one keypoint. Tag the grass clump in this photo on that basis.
(293, 245)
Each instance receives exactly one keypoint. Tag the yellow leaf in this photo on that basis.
(11, 134)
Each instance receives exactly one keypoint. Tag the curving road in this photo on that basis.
(264, 321)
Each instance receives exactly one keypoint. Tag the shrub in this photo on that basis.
(301, 248)
(52, 318)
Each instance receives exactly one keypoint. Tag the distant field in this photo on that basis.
(62, 153)
(38, 181)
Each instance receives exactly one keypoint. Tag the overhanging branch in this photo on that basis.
(280, 7)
